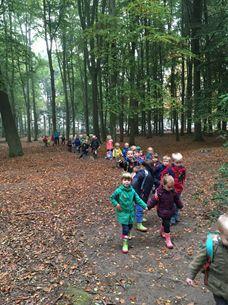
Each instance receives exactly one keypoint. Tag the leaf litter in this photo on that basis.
(58, 229)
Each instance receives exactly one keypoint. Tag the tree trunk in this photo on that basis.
(53, 104)
(189, 96)
(182, 95)
(208, 77)
(36, 131)
(196, 34)
(121, 120)
(12, 138)
(174, 96)
(65, 81)
(71, 79)
(101, 112)
(94, 75)
(86, 101)
(48, 31)
(133, 102)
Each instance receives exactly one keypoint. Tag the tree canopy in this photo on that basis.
(119, 67)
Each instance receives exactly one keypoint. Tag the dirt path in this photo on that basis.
(58, 228)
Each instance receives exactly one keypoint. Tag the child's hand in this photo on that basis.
(156, 195)
(118, 207)
(190, 282)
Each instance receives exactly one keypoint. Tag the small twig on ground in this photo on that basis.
(120, 284)
(59, 298)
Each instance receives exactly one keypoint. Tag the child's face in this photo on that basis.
(166, 162)
(126, 182)
(126, 145)
(169, 186)
(178, 163)
(130, 154)
(141, 153)
(133, 147)
(150, 150)
(137, 154)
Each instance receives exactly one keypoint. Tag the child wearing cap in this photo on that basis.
(218, 272)
(124, 199)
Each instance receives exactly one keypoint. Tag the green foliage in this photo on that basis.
(221, 186)
(132, 47)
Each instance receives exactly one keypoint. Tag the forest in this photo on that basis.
(113, 67)
(146, 79)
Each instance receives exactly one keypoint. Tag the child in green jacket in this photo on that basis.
(218, 269)
(124, 199)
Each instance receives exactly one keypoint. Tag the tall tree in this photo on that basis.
(196, 35)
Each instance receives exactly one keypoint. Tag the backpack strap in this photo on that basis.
(144, 179)
(212, 240)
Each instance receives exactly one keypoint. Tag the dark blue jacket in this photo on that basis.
(124, 152)
(143, 183)
(77, 142)
(128, 165)
(158, 171)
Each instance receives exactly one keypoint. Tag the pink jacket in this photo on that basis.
(109, 144)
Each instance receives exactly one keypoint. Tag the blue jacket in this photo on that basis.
(77, 142)
(157, 173)
(124, 152)
(143, 183)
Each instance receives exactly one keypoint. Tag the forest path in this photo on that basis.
(58, 228)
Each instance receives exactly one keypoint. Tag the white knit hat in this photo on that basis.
(177, 156)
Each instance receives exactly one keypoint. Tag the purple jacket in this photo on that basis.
(165, 202)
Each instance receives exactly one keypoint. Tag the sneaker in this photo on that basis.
(125, 246)
(140, 227)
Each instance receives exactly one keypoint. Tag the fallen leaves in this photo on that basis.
(59, 227)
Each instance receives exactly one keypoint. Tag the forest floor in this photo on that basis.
(58, 229)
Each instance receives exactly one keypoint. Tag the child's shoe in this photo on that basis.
(162, 233)
(130, 236)
(125, 244)
(144, 219)
(168, 241)
(140, 227)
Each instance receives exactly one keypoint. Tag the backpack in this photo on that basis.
(144, 179)
(211, 247)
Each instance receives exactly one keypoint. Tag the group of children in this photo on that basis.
(148, 182)
(54, 139)
(156, 183)
(82, 144)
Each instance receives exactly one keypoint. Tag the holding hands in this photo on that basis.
(190, 282)
(119, 207)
